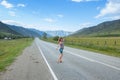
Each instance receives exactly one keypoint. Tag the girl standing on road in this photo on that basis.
(61, 47)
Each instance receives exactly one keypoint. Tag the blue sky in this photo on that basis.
(68, 15)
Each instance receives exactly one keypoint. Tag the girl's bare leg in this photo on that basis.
(61, 57)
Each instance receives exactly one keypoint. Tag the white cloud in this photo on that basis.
(12, 22)
(49, 28)
(116, 17)
(21, 5)
(6, 4)
(38, 27)
(77, 0)
(98, 8)
(111, 17)
(12, 13)
(60, 15)
(112, 8)
(50, 20)
(35, 12)
(83, 0)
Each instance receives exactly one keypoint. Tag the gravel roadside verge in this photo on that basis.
(28, 66)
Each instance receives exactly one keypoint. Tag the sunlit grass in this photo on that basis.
(105, 45)
(9, 49)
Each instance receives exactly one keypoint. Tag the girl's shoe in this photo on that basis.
(60, 61)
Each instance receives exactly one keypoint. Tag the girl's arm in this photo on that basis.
(58, 45)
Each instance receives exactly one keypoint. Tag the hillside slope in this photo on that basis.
(5, 30)
(24, 31)
(109, 28)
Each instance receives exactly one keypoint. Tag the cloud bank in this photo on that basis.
(112, 7)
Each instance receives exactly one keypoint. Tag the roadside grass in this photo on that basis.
(104, 45)
(10, 49)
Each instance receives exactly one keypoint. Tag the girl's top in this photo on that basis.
(61, 45)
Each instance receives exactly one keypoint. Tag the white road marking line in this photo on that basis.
(108, 65)
(93, 60)
(53, 74)
(80, 56)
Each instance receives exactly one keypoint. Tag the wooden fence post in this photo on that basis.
(105, 42)
(115, 43)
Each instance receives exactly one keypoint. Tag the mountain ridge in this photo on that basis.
(7, 30)
(29, 32)
(24, 31)
(107, 28)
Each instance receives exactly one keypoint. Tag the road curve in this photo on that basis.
(79, 64)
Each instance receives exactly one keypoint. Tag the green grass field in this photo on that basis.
(104, 45)
(10, 49)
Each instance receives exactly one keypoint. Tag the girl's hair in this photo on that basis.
(60, 39)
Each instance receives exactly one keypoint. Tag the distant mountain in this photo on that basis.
(60, 33)
(105, 29)
(41, 32)
(24, 31)
(12, 30)
(5, 30)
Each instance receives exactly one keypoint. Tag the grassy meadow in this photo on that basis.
(9, 49)
(104, 45)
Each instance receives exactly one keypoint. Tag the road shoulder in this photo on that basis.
(28, 66)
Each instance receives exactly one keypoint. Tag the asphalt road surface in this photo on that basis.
(79, 64)
(39, 62)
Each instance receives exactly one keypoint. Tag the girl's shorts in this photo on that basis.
(61, 50)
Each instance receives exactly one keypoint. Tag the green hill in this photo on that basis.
(24, 31)
(16, 31)
(105, 29)
(5, 31)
